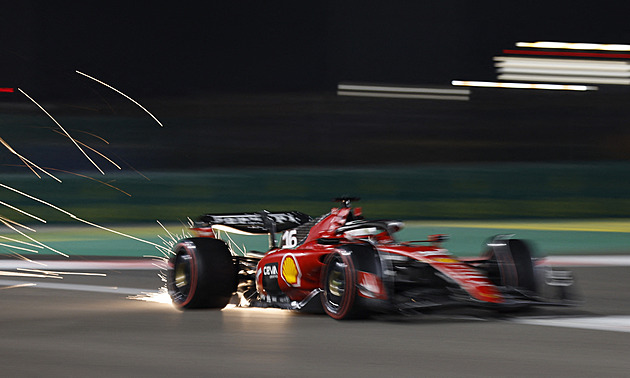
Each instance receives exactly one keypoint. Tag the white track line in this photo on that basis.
(589, 261)
(617, 323)
(78, 287)
(140, 264)
(149, 264)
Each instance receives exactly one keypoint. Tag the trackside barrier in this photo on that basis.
(482, 191)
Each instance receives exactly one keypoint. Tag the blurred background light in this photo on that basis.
(410, 92)
(563, 70)
(573, 46)
(564, 79)
(493, 84)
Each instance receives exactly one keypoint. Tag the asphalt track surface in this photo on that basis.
(89, 326)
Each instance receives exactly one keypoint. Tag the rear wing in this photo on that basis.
(263, 222)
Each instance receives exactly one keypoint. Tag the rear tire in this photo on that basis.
(201, 274)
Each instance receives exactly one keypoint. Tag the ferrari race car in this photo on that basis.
(351, 267)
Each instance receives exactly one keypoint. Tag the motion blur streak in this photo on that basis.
(62, 129)
(551, 71)
(381, 88)
(604, 65)
(568, 53)
(617, 323)
(81, 287)
(492, 84)
(566, 79)
(563, 70)
(388, 91)
(402, 95)
(122, 94)
(7, 90)
(573, 46)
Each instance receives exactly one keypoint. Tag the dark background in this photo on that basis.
(197, 47)
(253, 83)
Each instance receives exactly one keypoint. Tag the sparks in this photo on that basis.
(62, 129)
(122, 94)
(92, 149)
(29, 275)
(19, 248)
(71, 216)
(16, 223)
(56, 273)
(17, 286)
(87, 177)
(31, 239)
(161, 296)
(26, 162)
(22, 211)
(169, 234)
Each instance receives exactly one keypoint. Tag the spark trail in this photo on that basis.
(92, 149)
(75, 174)
(122, 94)
(73, 217)
(27, 162)
(22, 211)
(62, 129)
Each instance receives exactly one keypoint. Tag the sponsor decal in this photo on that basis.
(237, 219)
(447, 260)
(271, 270)
(284, 218)
(270, 278)
(254, 219)
(204, 232)
(291, 270)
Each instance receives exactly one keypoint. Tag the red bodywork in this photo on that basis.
(353, 266)
(298, 269)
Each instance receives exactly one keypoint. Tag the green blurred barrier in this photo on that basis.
(467, 238)
(482, 191)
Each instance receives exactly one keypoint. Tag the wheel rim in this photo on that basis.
(336, 283)
(181, 277)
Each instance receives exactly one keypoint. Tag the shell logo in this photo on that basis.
(445, 260)
(290, 270)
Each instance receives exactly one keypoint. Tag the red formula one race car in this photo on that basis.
(351, 267)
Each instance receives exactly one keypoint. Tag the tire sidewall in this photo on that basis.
(188, 249)
(213, 276)
(346, 307)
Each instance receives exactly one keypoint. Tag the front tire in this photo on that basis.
(201, 274)
(339, 284)
(513, 267)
